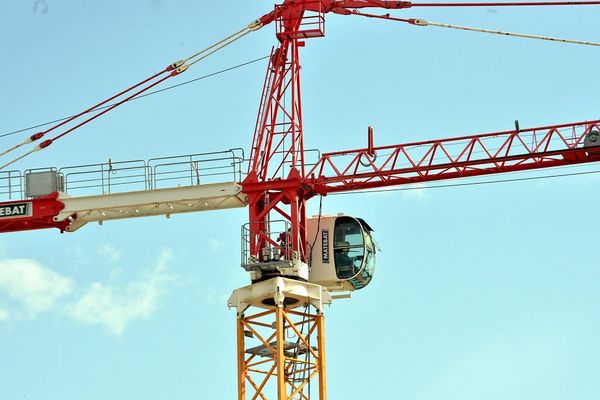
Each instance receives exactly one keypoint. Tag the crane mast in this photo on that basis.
(276, 184)
(278, 152)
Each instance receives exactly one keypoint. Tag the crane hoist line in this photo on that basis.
(296, 262)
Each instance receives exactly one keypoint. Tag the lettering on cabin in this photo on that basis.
(325, 245)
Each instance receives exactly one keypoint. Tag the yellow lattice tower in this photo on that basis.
(280, 341)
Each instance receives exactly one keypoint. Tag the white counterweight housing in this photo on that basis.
(342, 252)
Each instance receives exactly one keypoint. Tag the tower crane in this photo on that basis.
(297, 264)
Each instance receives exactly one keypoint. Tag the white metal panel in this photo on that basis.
(107, 207)
(275, 291)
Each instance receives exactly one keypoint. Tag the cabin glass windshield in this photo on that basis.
(349, 249)
(366, 273)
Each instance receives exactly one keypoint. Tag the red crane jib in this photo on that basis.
(461, 157)
(434, 160)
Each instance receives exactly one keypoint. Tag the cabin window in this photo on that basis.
(349, 247)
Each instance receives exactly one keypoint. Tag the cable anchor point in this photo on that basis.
(35, 136)
(175, 65)
(255, 25)
(180, 69)
(418, 22)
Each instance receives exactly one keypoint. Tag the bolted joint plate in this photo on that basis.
(279, 292)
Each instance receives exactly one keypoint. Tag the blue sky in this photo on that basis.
(481, 292)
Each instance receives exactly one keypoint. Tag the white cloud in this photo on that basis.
(116, 307)
(4, 315)
(36, 287)
(110, 252)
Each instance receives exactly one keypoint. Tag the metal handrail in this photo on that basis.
(188, 169)
(223, 160)
(12, 184)
(119, 176)
(102, 174)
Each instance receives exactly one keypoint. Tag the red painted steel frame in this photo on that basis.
(461, 157)
(277, 152)
(278, 138)
(277, 184)
(43, 210)
(278, 142)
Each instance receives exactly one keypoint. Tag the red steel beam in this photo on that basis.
(460, 157)
(24, 215)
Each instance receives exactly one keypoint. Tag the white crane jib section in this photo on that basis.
(105, 207)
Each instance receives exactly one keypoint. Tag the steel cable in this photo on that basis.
(478, 183)
(173, 70)
(141, 96)
(422, 22)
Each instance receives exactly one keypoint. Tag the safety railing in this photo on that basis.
(196, 169)
(310, 25)
(11, 185)
(276, 245)
(134, 175)
(105, 178)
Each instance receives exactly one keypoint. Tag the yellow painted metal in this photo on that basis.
(321, 343)
(242, 367)
(281, 355)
